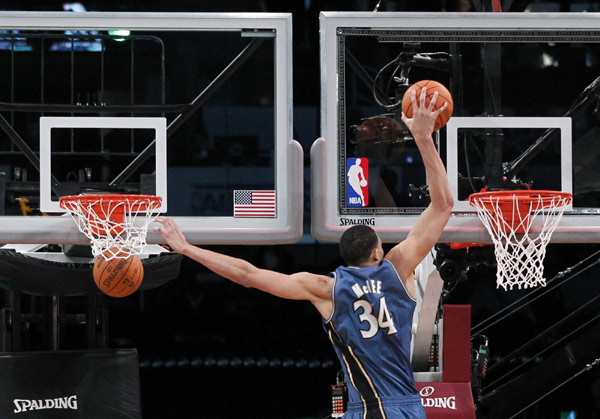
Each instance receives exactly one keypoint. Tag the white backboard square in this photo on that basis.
(457, 123)
(159, 125)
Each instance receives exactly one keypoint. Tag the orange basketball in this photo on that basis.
(432, 87)
(118, 277)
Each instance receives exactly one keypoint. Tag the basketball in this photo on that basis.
(432, 87)
(118, 277)
(363, 183)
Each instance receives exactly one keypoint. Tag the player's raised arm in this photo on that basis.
(428, 228)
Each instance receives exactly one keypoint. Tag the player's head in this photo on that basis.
(357, 244)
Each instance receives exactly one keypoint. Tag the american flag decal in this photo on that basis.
(254, 204)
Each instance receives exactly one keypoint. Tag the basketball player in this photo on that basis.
(367, 307)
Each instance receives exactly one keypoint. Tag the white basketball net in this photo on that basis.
(520, 256)
(116, 228)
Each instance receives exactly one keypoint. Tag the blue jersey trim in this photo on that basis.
(332, 299)
(359, 378)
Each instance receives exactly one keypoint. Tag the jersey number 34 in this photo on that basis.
(382, 321)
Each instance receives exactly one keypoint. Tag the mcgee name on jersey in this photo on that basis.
(371, 287)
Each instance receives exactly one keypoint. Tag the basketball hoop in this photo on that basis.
(520, 224)
(113, 222)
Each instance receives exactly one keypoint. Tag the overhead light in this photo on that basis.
(119, 34)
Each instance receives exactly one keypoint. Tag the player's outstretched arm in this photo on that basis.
(298, 286)
(428, 228)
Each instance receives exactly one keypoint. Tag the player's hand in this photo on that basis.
(171, 233)
(423, 121)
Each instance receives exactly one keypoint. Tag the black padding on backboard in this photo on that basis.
(70, 385)
(45, 277)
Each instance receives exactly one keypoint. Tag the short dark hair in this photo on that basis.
(356, 244)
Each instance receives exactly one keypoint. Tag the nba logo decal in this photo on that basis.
(357, 185)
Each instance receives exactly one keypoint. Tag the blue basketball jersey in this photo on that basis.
(370, 328)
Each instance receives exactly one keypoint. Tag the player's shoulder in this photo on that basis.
(400, 259)
(395, 254)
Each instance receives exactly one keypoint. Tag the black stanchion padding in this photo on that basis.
(70, 384)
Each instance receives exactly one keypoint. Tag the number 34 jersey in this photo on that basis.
(370, 328)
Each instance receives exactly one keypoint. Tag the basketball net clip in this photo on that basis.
(521, 224)
(116, 224)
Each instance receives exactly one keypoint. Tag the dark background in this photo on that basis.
(211, 349)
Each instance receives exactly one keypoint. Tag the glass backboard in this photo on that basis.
(524, 88)
(194, 107)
